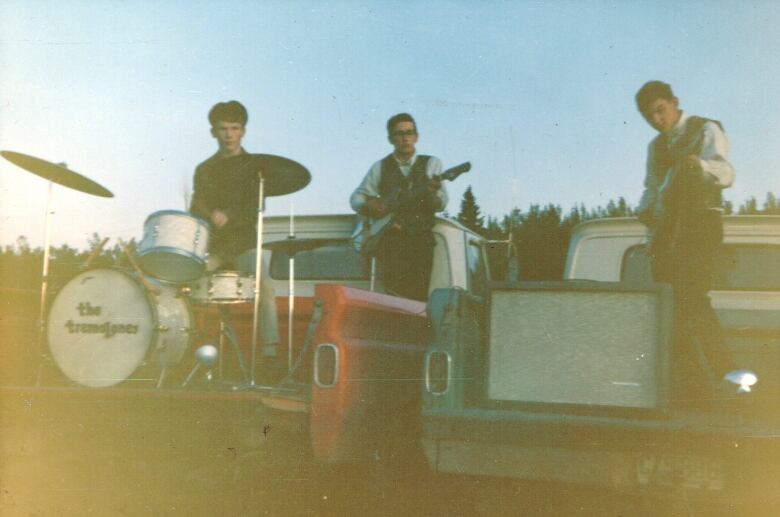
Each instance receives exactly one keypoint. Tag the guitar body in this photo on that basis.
(368, 232)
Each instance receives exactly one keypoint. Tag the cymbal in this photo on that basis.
(56, 173)
(281, 175)
(293, 245)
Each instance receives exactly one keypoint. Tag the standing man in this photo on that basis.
(687, 168)
(226, 197)
(403, 184)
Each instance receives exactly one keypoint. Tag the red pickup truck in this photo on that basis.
(355, 355)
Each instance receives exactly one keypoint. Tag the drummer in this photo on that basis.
(228, 199)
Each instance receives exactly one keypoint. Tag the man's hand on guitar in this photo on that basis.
(692, 163)
(434, 184)
(375, 208)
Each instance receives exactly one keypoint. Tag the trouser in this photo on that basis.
(269, 325)
(407, 260)
(687, 264)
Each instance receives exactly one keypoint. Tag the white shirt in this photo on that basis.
(369, 187)
(713, 160)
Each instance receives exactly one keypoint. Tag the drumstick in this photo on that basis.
(149, 287)
(95, 252)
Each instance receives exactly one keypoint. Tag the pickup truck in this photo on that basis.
(355, 355)
(574, 382)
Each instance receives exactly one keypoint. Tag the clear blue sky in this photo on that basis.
(537, 95)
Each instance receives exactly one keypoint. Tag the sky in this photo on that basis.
(538, 95)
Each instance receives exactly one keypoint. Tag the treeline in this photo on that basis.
(540, 233)
(21, 266)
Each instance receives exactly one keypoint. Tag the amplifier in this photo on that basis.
(571, 342)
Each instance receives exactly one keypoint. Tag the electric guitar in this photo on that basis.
(368, 232)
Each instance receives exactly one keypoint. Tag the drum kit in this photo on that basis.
(105, 323)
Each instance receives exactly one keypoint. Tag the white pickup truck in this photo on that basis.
(575, 381)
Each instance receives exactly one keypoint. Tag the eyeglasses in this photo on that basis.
(400, 134)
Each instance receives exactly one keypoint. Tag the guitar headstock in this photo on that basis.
(454, 172)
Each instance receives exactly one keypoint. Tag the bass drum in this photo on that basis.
(104, 324)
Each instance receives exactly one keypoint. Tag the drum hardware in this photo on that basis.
(290, 247)
(227, 333)
(94, 253)
(61, 175)
(151, 289)
(258, 263)
(206, 356)
(372, 283)
(161, 379)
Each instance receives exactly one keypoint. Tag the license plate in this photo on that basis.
(678, 470)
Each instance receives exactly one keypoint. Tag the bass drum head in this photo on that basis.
(100, 327)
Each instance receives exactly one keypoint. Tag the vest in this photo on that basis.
(407, 198)
(685, 192)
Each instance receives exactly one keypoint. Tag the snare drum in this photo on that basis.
(224, 287)
(174, 246)
(104, 324)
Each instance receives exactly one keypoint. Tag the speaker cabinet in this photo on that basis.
(589, 343)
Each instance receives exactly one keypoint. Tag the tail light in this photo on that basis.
(326, 365)
(437, 372)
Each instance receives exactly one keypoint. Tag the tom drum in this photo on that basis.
(174, 246)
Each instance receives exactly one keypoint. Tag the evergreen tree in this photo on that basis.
(771, 206)
(469, 215)
(749, 207)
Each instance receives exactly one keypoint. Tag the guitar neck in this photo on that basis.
(454, 172)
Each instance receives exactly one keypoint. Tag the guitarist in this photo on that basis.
(687, 168)
(403, 184)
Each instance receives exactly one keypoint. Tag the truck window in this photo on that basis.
(636, 266)
(475, 261)
(338, 261)
(750, 267)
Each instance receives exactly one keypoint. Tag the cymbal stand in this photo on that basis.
(372, 284)
(258, 262)
(290, 296)
(226, 332)
(44, 285)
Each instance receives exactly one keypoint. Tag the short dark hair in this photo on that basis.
(651, 91)
(230, 111)
(395, 119)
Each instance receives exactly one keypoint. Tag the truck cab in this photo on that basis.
(459, 255)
